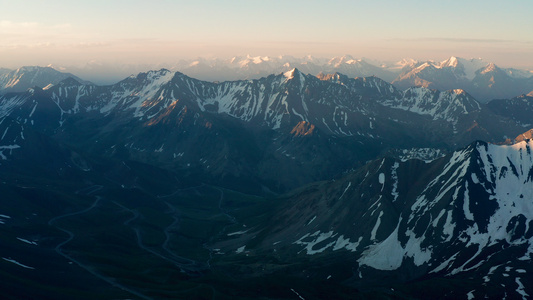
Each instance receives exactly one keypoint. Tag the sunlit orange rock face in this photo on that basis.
(303, 128)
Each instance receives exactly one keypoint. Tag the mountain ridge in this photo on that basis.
(484, 80)
(27, 77)
(346, 113)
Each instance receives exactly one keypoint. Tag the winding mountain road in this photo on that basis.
(71, 236)
(189, 266)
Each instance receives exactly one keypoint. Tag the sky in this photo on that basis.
(60, 32)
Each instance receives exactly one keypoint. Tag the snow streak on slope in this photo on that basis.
(68, 97)
(507, 177)
(138, 93)
(425, 154)
(11, 136)
(312, 240)
(480, 201)
(248, 100)
(8, 104)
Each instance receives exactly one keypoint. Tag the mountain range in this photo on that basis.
(345, 120)
(290, 185)
(484, 80)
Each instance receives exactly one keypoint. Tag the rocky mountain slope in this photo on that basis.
(462, 221)
(23, 78)
(518, 109)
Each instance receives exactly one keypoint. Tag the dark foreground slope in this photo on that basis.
(390, 229)
(462, 223)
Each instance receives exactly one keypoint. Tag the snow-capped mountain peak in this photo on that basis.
(294, 73)
(337, 61)
(450, 62)
(290, 74)
(468, 74)
(491, 67)
(459, 91)
(406, 62)
(460, 67)
(163, 74)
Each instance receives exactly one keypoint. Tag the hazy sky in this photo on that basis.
(157, 31)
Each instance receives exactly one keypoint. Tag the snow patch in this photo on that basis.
(466, 204)
(444, 265)
(17, 263)
(10, 148)
(389, 254)
(376, 226)
(238, 232)
(289, 74)
(296, 293)
(394, 176)
(381, 178)
(318, 238)
(520, 289)
(26, 241)
(346, 244)
(346, 189)
(426, 154)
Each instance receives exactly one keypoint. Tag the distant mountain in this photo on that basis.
(519, 109)
(485, 81)
(451, 72)
(4, 70)
(517, 73)
(248, 67)
(493, 82)
(28, 77)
